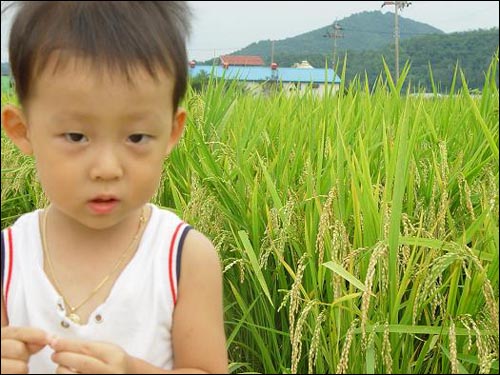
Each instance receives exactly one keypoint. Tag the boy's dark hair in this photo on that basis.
(120, 35)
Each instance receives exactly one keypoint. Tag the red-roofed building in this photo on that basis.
(241, 60)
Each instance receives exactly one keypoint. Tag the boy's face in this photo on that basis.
(98, 143)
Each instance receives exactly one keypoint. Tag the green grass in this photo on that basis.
(358, 231)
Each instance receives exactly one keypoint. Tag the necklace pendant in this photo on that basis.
(75, 318)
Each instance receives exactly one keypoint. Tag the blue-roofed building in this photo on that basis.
(293, 80)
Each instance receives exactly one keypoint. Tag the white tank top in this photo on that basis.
(137, 315)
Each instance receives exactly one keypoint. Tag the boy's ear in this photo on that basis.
(16, 128)
(177, 129)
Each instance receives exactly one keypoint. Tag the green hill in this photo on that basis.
(471, 50)
(362, 31)
(369, 37)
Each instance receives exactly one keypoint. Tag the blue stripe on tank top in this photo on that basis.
(179, 252)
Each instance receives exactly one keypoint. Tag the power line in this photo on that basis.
(350, 30)
(354, 30)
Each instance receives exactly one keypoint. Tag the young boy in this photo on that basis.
(102, 281)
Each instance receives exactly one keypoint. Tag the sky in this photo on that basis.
(222, 27)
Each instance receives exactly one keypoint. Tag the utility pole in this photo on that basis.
(397, 5)
(335, 32)
(272, 51)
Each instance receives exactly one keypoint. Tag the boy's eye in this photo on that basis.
(138, 138)
(75, 137)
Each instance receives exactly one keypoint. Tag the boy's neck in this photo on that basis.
(69, 229)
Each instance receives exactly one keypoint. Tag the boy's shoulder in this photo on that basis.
(168, 215)
(197, 247)
(164, 212)
(199, 255)
(28, 221)
(166, 218)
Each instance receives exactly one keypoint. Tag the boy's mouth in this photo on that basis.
(103, 204)
(103, 199)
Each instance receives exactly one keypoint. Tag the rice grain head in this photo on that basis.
(380, 250)
(313, 351)
(453, 348)
(295, 295)
(387, 349)
(325, 224)
(343, 364)
(297, 336)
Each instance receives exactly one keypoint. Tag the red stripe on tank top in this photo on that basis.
(171, 263)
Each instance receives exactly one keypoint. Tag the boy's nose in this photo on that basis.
(106, 166)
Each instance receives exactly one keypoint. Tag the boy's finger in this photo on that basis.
(14, 366)
(34, 348)
(27, 335)
(14, 349)
(73, 346)
(65, 370)
(80, 363)
(90, 348)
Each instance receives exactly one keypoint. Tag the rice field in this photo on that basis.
(358, 232)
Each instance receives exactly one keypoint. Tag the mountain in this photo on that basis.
(362, 31)
(471, 50)
(369, 38)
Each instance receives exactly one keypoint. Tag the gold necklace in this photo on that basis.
(72, 315)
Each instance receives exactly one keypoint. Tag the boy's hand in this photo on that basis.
(89, 357)
(18, 345)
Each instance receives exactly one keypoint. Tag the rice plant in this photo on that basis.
(358, 231)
